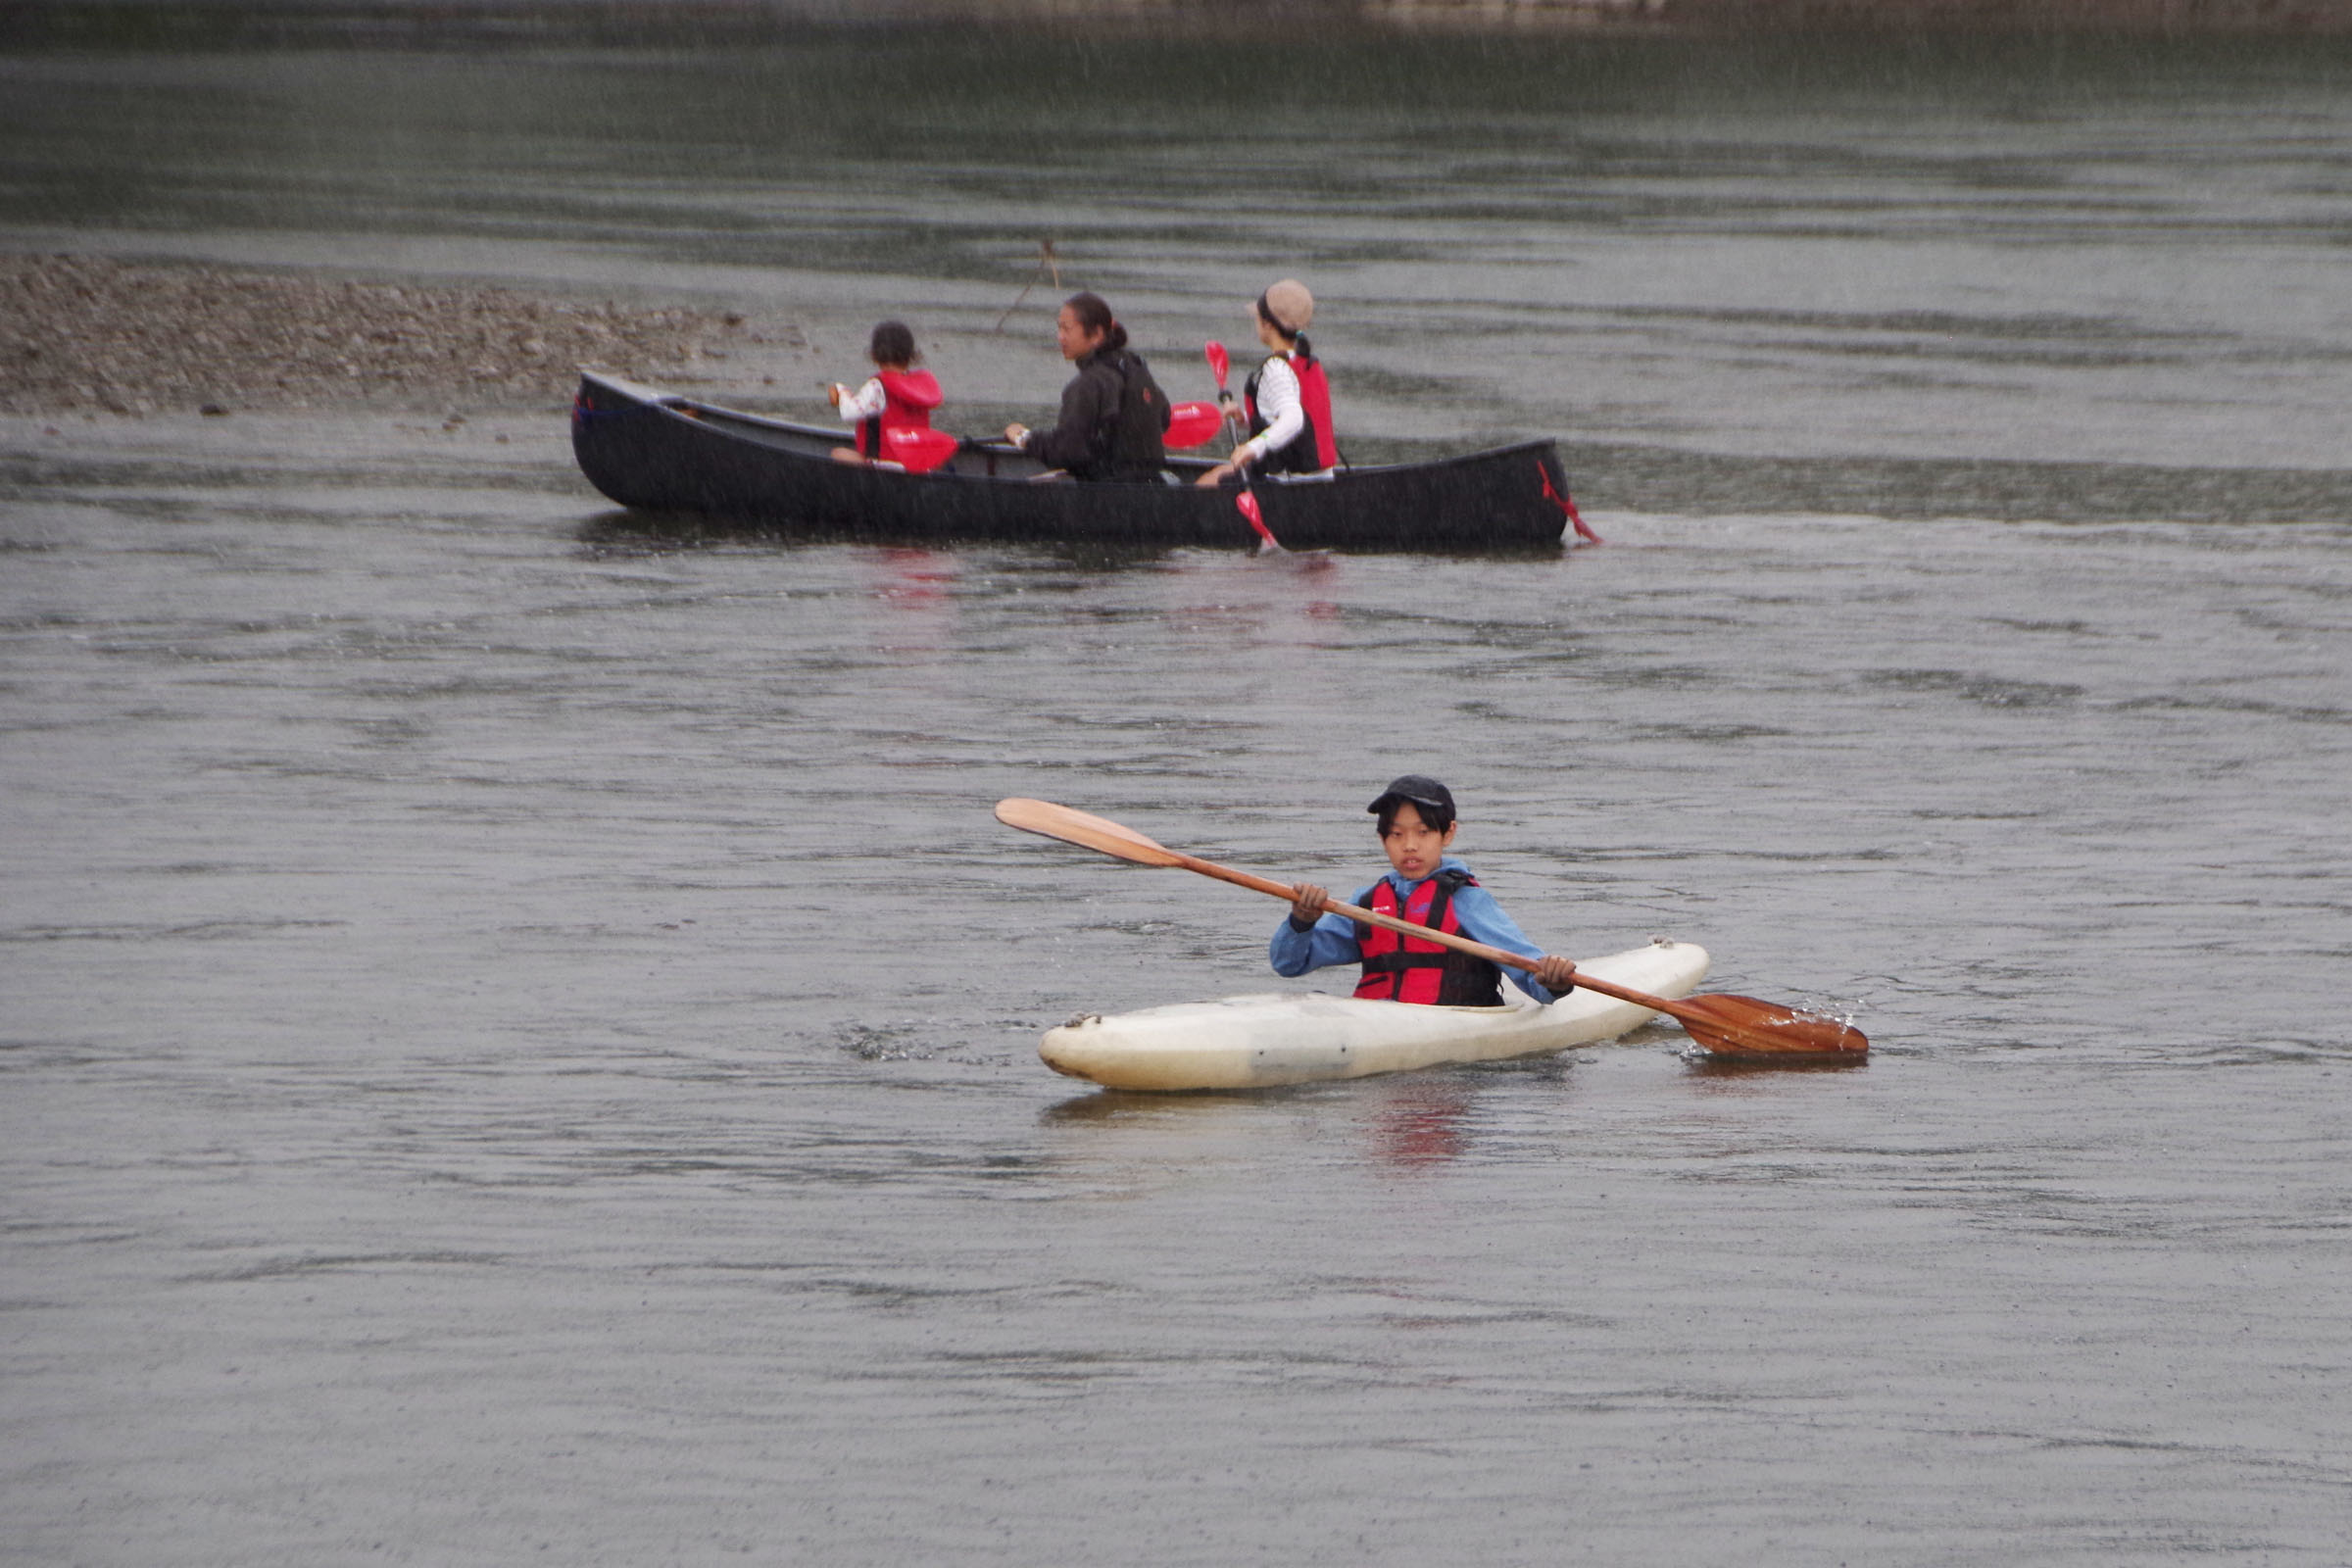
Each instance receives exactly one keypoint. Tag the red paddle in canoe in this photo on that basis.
(1214, 352)
(1247, 502)
(1191, 424)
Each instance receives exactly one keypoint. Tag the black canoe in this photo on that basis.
(658, 452)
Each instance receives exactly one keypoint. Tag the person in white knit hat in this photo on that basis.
(1287, 401)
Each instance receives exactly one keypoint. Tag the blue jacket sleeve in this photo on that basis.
(1330, 939)
(1482, 919)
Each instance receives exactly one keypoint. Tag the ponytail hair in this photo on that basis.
(1094, 313)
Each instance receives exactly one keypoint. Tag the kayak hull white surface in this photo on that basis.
(1276, 1038)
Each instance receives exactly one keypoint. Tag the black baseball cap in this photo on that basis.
(1418, 788)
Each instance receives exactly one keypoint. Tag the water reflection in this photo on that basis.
(1410, 1122)
(1705, 1064)
(1422, 1122)
(914, 578)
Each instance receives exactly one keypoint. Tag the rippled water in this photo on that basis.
(520, 1027)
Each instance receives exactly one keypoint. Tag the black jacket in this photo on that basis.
(1112, 419)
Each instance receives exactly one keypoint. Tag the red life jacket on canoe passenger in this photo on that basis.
(907, 399)
(1314, 401)
(1402, 968)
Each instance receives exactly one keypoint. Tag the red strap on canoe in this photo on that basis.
(1564, 503)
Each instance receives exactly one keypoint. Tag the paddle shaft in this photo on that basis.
(1423, 933)
(1252, 513)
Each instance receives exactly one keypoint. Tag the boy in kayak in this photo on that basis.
(1427, 887)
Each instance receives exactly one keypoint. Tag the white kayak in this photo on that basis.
(1258, 1041)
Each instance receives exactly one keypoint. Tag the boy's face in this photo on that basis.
(1414, 847)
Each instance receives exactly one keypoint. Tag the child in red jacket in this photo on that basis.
(897, 397)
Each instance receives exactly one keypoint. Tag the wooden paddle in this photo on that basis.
(1728, 1025)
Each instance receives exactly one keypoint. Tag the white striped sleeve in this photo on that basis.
(1278, 404)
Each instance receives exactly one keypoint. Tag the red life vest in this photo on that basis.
(907, 399)
(1314, 396)
(1402, 968)
(1314, 401)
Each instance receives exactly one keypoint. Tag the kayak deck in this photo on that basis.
(1276, 1038)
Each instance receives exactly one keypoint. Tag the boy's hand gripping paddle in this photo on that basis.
(1728, 1025)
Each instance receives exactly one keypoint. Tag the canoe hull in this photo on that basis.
(1268, 1040)
(658, 452)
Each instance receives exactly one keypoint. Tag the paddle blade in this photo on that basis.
(1214, 353)
(1742, 1026)
(920, 451)
(1193, 424)
(1087, 832)
(1247, 505)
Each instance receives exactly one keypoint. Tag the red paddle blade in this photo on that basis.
(1193, 424)
(918, 451)
(1217, 363)
(1247, 505)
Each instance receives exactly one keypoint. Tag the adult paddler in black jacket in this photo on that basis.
(1113, 415)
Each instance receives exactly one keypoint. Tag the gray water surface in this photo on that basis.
(517, 1027)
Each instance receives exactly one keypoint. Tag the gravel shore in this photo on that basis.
(91, 334)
